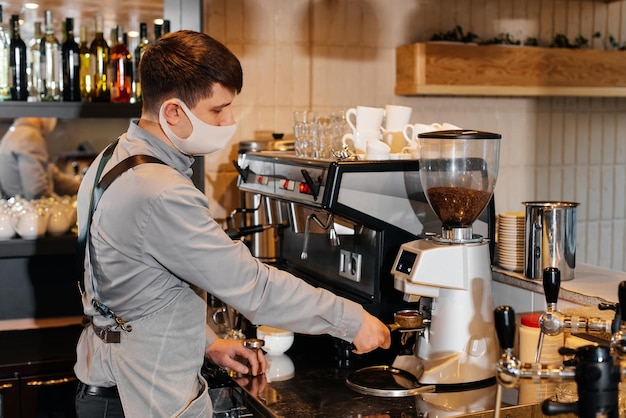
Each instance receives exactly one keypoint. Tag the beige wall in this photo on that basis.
(333, 54)
(330, 55)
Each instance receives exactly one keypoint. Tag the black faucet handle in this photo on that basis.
(504, 317)
(551, 284)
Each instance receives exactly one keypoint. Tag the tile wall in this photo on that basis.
(330, 55)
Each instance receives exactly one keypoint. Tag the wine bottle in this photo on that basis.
(158, 29)
(119, 69)
(34, 64)
(144, 43)
(50, 62)
(5, 89)
(70, 58)
(99, 63)
(17, 62)
(86, 78)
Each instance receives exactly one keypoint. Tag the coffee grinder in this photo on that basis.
(449, 275)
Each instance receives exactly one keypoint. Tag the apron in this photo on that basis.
(157, 365)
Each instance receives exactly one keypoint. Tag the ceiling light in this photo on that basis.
(31, 6)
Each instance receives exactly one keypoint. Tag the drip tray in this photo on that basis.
(386, 381)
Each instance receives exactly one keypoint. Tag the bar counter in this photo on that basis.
(318, 388)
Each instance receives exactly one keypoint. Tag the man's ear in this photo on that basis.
(171, 112)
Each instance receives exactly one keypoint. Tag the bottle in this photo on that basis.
(50, 62)
(99, 63)
(166, 26)
(5, 89)
(528, 338)
(17, 62)
(119, 67)
(86, 79)
(34, 64)
(70, 58)
(144, 43)
(158, 29)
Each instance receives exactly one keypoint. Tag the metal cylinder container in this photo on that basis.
(550, 238)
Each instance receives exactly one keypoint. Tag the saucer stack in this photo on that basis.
(510, 240)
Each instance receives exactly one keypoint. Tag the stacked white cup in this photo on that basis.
(396, 118)
(366, 127)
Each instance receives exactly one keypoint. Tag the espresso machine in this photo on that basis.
(449, 274)
(345, 222)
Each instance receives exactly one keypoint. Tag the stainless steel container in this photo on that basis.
(550, 238)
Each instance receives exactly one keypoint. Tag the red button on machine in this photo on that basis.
(262, 180)
(288, 185)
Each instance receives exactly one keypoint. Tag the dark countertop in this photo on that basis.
(318, 387)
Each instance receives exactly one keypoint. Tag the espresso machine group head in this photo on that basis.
(449, 275)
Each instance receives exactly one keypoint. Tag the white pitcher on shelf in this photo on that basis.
(31, 223)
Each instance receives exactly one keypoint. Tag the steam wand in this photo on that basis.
(334, 239)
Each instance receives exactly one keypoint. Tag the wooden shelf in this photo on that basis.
(437, 68)
(67, 110)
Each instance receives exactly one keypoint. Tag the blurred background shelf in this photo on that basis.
(438, 68)
(66, 110)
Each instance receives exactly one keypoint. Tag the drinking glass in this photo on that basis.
(305, 130)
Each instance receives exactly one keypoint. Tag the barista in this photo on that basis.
(25, 169)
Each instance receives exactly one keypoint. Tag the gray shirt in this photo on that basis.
(152, 235)
(24, 162)
(25, 169)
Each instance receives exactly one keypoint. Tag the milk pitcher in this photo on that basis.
(550, 238)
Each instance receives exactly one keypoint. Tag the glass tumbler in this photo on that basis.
(305, 130)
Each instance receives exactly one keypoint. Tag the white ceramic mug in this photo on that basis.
(365, 118)
(396, 117)
(358, 140)
(412, 152)
(412, 131)
(449, 127)
(395, 140)
(377, 150)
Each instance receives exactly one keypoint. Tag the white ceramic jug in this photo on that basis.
(30, 224)
(6, 227)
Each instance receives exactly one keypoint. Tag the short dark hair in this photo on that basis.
(186, 64)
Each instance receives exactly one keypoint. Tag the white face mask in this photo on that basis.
(204, 138)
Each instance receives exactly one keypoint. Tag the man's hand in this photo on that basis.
(373, 334)
(224, 352)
